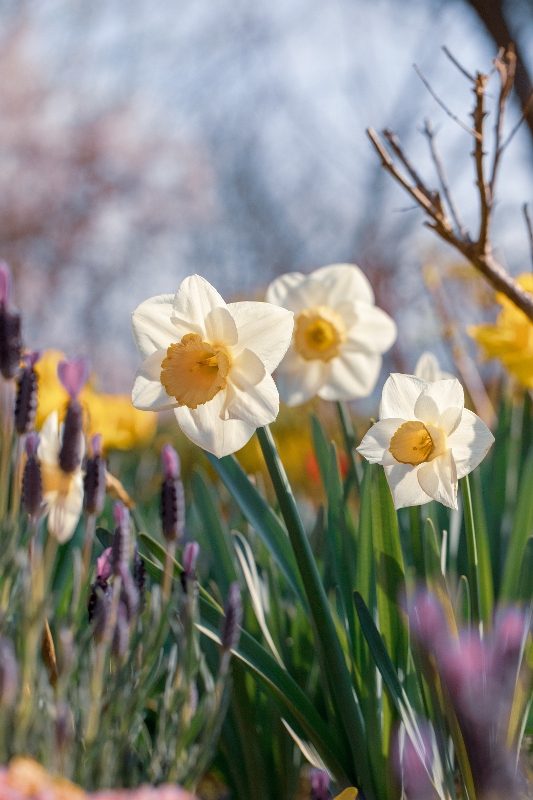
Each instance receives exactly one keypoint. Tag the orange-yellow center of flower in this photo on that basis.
(194, 371)
(55, 480)
(319, 332)
(412, 444)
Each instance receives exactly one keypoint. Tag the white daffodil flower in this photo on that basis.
(428, 368)
(426, 440)
(210, 362)
(62, 492)
(339, 334)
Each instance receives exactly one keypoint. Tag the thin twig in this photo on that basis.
(396, 147)
(445, 108)
(505, 63)
(458, 65)
(529, 229)
(429, 132)
(478, 115)
(527, 108)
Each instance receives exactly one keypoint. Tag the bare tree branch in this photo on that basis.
(430, 133)
(458, 65)
(529, 229)
(441, 103)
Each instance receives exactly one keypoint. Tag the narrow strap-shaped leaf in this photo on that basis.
(221, 548)
(261, 518)
(524, 592)
(472, 551)
(350, 440)
(521, 531)
(321, 446)
(486, 586)
(332, 658)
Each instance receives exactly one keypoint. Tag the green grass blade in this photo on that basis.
(261, 518)
(486, 586)
(321, 446)
(332, 658)
(521, 531)
(472, 550)
(524, 592)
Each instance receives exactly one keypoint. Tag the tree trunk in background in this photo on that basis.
(492, 14)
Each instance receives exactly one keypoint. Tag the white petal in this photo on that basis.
(257, 404)
(374, 330)
(440, 396)
(306, 294)
(400, 394)
(279, 288)
(404, 486)
(344, 282)
(193, 301)
(376, 442)
(469, 443)
(438, 478)
(265, 329)
(152, 326)
(148, 392)
(299, 380)
(205, 428)
(65, 512)
(220, 327)
(449, 420)
(49, 443)
(353, 374)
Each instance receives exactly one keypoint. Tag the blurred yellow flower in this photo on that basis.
(510, 339)
(112, 415)
(348, 794)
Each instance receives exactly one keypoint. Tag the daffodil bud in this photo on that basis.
(32, 482)
(72, 375)
(26, 399)
(9, 679)
(10, 328)
(120, 548)
(172, 496)
(94, 482)
(320, 785)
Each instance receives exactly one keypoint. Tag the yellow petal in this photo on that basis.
(348, 794)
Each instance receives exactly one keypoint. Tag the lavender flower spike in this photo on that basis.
(26, 399)
(320, 785)
(171, 462)
(32, 482)
(10, 328)
(5, 283)
(172, 496)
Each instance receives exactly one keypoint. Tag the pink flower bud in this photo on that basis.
(31, 358)
(121, 515)
(5, 283)
(411, 765)
(427, 621)
(73, 375)
(104, 565)
(171, 462)
(96, 444)
(320, 785)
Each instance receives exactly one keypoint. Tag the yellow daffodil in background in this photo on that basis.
(339, 334)
(210, 362)
(112, 415)
(510, 339)
(428, 368)
(62, 491)
(426, 440)
(348, 794)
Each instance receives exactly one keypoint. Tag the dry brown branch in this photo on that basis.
(444, 107)
(458, 65)
(429, 132)
(505, 63)
(478, 251)
(529, 229)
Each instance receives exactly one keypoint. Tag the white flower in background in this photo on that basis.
(62, 491)
(210, 362)
(339, 334)
(428, 368)
(426, 440)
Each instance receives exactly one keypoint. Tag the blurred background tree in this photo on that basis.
(141, 143)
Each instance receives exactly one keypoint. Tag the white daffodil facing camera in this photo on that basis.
(210, 362)
(339, 334)
(426, 440)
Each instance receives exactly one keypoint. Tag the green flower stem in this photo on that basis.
(471, 546)
(333, 660)
(350, 440)
(417, 545)
(7, 441)
(169, 570)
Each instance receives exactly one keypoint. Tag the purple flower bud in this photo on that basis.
(9, 679)
(99, 607)
(32, 481)
(26, 399)
(104, 565)
(129, 596)
(320, 785)
(5, 283)
(171, 462)
(427, 621)
(10, 342)
(411, 765)
(71, 450)
(73, 375)
(96, 444)
(172, 509)
(233, 617)
(139, 575)
(121, 635)
(121, 540)
(190, 556)
(94, 482)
